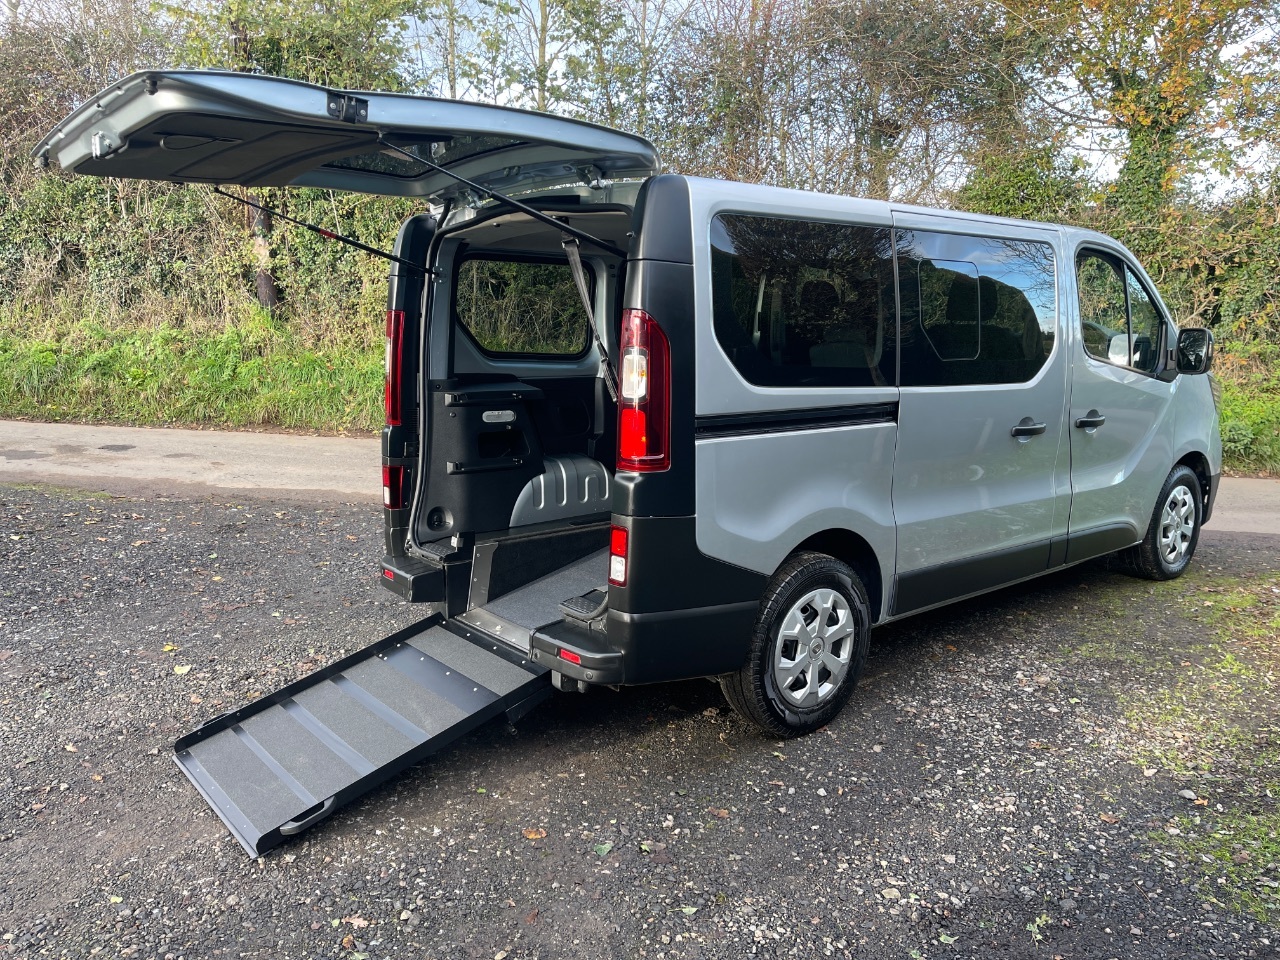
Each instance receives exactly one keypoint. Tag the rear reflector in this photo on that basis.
(395, 367)
(393, 487)
(618, 556)
(570, 656)
(388, 574)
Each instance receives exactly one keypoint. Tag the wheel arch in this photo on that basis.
(850, 548)
(1199, 465)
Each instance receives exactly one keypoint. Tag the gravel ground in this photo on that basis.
(979, 796)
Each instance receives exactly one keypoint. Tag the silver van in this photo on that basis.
(643, 427)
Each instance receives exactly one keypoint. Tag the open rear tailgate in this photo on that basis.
(283, 763)
(207, 126)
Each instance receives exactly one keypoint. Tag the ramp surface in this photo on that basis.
(284, 763)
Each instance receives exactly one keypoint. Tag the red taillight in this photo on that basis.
(618, 556)
(394, 366)
(570, 656)
(388, 574)
(393, 487)
(644, 404)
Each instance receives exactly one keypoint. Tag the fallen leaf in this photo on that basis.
(356, 921)
(718, 812)
(348, 942)
(688, 911)
(1109, 818)
(1201, 802)
(168, 648)
(532, 916)
(115, 899)
(602, 849)
(71, 748)
(534, 833)
(182, 670)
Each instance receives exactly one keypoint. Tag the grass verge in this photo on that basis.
(252, 373)
(1217, 729)
(1250, 414)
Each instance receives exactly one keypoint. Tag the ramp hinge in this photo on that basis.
(342, 106)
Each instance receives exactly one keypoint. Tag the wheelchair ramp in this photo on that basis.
(283, 763)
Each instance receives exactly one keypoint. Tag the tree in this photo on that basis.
(354, 44)
(880, 99)
(1170, 86)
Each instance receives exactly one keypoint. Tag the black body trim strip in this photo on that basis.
(1099, 541)
(960, 578)
(786, 421)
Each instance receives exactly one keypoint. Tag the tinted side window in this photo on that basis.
(1145, 326)
(1103, 307)
(1119, 322)
(521, 308)
(975, 310)
(801, 303)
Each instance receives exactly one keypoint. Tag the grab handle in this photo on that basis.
(297, 826)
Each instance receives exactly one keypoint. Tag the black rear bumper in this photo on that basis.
(657, 647)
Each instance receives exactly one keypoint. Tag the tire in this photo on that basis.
(796, 681)
(1174, 531)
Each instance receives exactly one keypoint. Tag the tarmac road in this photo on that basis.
(132, 459)
(986, 793)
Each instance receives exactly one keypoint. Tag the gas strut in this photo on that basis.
(327, 234)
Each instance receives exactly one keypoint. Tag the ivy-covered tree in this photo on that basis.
(351, 44)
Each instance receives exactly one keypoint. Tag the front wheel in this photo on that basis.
(1174, 531)
(808, 647)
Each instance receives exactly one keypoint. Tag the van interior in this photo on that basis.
(519, 419)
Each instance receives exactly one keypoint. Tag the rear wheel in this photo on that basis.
(1174, 531)
(808, 647)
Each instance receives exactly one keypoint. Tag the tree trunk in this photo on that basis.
(259, 224)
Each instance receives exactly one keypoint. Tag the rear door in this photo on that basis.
(233, 128)
(979, 481)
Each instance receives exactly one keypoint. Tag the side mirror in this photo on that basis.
(1195, 350)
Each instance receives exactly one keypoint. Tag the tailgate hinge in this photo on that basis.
(343, 106)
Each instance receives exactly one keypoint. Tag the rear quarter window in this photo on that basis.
(800, 303)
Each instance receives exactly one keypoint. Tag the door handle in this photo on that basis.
(1027, 428)
(1090, 420)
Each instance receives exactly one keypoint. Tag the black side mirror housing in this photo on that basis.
(1195, 350)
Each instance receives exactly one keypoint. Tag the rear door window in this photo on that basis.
(975, 310)
(521, 308)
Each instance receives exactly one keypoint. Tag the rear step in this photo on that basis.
(281, 764)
